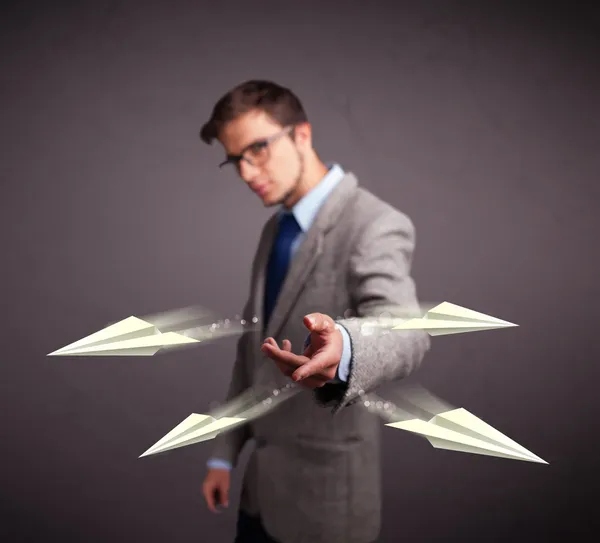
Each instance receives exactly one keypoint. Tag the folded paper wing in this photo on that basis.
(447, 318)
(192, 430)
(459, 430)
(130, 337)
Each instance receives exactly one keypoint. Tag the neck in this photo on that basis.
(314, 171)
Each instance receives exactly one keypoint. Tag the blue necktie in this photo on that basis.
(279, 261)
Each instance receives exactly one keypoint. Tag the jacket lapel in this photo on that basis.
(303, 263)
(260, 275)
(305, 259)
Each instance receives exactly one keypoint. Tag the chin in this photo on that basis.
(269, 201)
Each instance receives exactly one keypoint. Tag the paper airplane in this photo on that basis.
(459, 430)
(131, 336)
(194, 429)
(447, 318)
(142, 337)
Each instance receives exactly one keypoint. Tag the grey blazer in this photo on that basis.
(314, 474)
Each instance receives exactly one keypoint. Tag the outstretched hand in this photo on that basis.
(320, 360)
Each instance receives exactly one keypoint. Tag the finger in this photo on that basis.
(209, 496)
(271, 341)
(287, 345)
(284, 356)
(319, 323)
(284, 368)
(308, 352)
(224, 495)
(318, 364)
(313, 382)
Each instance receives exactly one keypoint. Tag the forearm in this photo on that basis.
(382, 289)
(387, 355)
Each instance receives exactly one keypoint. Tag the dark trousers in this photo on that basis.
(250, 530)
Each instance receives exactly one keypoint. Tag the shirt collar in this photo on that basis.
(307, 208)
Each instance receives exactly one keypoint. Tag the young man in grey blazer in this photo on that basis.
(332, 248)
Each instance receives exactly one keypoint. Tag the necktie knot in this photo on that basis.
(288, 226)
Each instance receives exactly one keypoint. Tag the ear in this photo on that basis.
(303, 135)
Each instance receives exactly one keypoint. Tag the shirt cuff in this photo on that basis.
(343, 370)
(217, 463)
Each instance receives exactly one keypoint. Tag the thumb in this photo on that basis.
(319, 323)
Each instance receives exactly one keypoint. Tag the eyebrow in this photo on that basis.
(246, 147)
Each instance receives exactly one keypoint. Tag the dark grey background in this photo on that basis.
(479, 122)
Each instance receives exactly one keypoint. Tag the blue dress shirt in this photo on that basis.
(305, 211)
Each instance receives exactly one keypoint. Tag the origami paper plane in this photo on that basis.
(459, 430)
(131, 336)
(194, 429)
(447, 318)
(134, 336)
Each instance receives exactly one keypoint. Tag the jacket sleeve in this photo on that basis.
(381, 286)
(228, 445)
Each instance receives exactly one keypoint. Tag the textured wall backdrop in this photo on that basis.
(481, 123)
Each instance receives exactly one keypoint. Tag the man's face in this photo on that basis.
(276, 167)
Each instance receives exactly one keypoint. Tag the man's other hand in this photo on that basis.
(320, 360)
(216, 488)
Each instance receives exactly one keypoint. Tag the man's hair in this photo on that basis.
(280, 103)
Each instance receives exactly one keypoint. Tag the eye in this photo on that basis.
(257, 147)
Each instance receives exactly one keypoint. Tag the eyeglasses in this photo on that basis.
(256, 153)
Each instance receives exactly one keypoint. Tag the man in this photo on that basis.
(331, 249)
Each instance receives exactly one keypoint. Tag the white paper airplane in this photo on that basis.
(459, 430)
(142, 337)
(447, 318)
(131, 336)
(194, 429)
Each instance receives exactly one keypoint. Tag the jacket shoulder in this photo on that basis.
(366, 208)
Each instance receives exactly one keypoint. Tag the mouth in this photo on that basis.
(261, 191)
